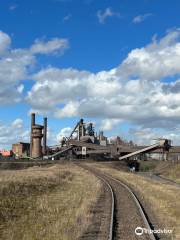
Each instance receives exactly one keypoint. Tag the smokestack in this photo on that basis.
(33, 119)
(45, 136)
(32, 124)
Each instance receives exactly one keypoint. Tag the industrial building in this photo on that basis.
(21, 149)
(84, 142)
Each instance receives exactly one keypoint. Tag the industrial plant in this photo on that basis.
(84, 142)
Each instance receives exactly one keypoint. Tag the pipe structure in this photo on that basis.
(45, 136)
(77, 125)
(33, 122)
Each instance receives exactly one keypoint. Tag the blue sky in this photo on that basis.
(106, 44)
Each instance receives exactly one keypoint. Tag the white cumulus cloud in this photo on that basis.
(64, 132)
(15, 64)
(13, 133)
(133, 92)
(52, 46)
(5, 42)
(109, 124)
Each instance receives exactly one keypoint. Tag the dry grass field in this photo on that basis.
(48, 203)
(163, 200)
(172, 172)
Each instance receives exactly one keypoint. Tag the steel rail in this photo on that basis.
(136, 200)
(143, 215)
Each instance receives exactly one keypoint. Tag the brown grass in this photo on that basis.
(172, 172)
(46, 203)
(164, 200)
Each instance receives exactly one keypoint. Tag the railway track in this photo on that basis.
(126, 213)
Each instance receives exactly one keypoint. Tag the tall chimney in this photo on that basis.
(45, 136)
(32, 124)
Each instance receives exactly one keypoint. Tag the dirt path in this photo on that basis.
(158, 178)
